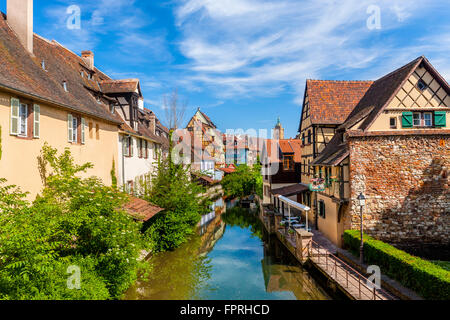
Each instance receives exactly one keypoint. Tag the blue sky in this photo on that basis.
(245, 62)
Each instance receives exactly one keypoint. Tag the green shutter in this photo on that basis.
(37, 121)
(83, 125)
(70, 127)
(14, 130)
(440, 118)
(407, 120)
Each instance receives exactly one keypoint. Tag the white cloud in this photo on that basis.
(246, 47)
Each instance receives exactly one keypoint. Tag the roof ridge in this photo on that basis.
(322, 80)
(401, 68)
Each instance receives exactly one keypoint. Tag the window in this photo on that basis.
(97, 131)
(288, 163)
(421, 85)
(424, 119)
(91, 130)
(65, 86)
(155, 152)
(23, 120)
(417, 119)
(322, 209)
(393, 123)
(128, 146)
(75, 129)
(141, 153)
(146, 149)
(428, 119)
(309, 136)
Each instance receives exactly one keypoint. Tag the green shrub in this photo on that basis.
(427, 279)
(74, 221)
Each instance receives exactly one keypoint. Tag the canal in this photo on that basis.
(231, 258)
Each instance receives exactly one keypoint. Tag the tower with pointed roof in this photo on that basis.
(278, 132)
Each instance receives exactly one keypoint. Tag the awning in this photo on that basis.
(290, 190)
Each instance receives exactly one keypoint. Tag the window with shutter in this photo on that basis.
(407, 119)
(440, 119)
(83, 130)
(37, 121)
(70, 127)
(74, 129)
(14, 130)
(131, 147)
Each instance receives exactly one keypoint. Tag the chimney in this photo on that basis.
(153, 123)
(20, 19)
(88, 58)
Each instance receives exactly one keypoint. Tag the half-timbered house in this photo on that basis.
(393, 148)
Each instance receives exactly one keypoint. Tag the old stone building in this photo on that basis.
(394, 148)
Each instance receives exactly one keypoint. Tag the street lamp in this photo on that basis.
(362, 202)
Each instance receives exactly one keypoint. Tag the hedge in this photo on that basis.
(426, 278)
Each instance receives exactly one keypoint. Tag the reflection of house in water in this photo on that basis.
(282, 273)
(212, 228)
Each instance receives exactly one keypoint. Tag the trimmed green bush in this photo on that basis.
(427, 279)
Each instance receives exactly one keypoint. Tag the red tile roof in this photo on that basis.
(141, 209)
(331, 102)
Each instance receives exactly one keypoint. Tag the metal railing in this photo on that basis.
(345, 275)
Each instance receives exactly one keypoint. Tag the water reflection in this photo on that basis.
(231, 258)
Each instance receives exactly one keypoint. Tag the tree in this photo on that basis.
(184, 202)
(243, 182)
(175, 109)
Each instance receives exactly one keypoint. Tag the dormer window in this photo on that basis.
(421, 85)
(43, 65)
(65, 86)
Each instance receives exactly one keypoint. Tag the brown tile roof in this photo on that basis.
(141, 209)
(21, 72)
(331, 102)
(119, 86)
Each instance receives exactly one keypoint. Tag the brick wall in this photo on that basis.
(405, 179)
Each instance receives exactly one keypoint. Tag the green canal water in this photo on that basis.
(230, 259)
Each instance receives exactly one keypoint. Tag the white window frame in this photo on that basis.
(20, 122)
(414, 119)
(74, 129)
(425, 121)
